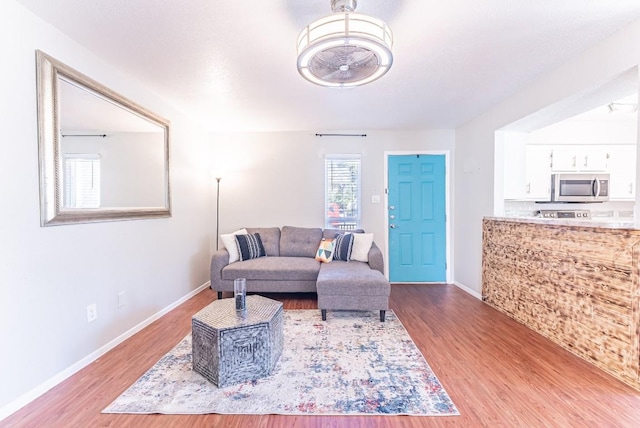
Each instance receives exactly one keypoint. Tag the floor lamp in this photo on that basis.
(218, 211)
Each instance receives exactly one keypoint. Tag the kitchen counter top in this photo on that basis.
(598, 223)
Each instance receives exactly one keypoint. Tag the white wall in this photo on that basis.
(621, 130)
(49, 275)
(475, 140)
(277, 179)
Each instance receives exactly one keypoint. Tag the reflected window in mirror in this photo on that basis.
(81, 180)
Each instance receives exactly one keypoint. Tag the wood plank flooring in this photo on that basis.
(498, 373)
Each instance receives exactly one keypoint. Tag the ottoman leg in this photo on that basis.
(219, 295)
(324, 314)
(382, 313)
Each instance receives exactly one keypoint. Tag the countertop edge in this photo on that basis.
(573, 223)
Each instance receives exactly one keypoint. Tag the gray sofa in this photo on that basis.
(290, 266)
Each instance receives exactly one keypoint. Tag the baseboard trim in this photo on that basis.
(468, 290)
(36, 392)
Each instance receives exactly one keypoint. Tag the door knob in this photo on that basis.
(392, 226)
(391, 208)
(392, 216)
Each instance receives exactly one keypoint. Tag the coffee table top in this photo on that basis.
(221, 314)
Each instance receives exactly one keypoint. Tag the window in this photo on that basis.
(342, 191)
(81, 180)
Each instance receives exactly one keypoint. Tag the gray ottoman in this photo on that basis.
(228, 349)
(352, 286)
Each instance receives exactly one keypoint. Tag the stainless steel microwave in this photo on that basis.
(580, 187)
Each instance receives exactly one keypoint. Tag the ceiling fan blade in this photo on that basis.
(343, 64)
(361, 56)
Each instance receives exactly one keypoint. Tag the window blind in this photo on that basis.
(81, 180)
(342, 191)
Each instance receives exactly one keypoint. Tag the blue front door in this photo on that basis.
(417, 218)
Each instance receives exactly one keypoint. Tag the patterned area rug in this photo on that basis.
(352, 364)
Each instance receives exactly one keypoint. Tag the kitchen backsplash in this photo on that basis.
(615, 210)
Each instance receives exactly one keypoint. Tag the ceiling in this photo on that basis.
(82, 111)
(231, 65)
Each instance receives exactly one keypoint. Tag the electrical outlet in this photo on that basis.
(92, 313)
(122, 299)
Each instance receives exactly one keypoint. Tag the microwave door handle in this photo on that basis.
(595, 187)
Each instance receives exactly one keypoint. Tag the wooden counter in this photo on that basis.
(573, 282)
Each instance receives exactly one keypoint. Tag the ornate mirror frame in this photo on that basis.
(50, 73)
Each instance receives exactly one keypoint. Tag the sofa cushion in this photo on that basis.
(331, 233)
(250, 246)
(343, 248)
(352, 278)
(300, 241)
(270, 239)
(274, 268)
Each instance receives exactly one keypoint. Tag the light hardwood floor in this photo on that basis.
(497, 372)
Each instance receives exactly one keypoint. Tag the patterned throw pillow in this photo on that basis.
(343, 247)
(325, 251)
(250, 246)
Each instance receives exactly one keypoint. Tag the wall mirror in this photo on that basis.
(102, 157)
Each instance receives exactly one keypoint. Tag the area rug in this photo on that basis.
(352, 364)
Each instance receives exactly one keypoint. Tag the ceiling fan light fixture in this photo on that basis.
(345, 49)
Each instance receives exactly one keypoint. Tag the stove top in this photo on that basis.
(565, 214)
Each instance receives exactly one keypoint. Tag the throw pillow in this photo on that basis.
(343, 247)
(325, 251)
(229, 242)
(361, 245)
(250, 246)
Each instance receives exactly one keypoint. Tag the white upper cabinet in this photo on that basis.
(622, 167)
(579, 158)
(537, 185)
(540, 161)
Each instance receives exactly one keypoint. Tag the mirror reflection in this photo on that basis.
(104, 147)
(102, 156)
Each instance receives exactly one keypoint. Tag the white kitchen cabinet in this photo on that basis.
(537, 184)
(622, 168)
(540, 161)
(579, 158)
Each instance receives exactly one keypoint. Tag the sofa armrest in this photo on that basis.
(376, 260)
(219, 259)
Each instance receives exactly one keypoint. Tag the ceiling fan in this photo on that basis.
(345, 49)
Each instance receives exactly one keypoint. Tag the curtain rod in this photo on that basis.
(341, 135)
